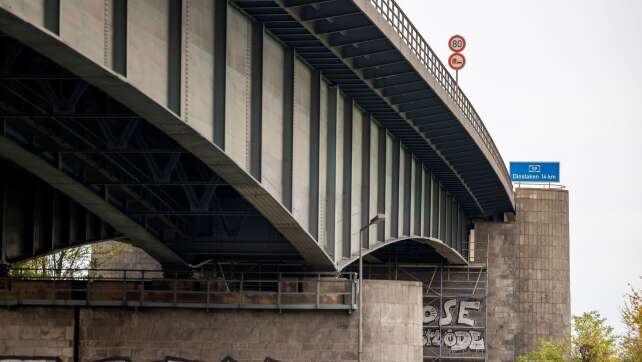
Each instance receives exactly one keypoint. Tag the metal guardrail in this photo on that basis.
(539, 185)
(148, 288)
(413, 39)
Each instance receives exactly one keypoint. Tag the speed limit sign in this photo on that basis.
(456, 61)
(457, 43)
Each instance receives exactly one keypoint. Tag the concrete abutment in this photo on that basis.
(392, 320)
(528, 273)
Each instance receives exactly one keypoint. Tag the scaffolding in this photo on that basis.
(461, 336)
(455, 314)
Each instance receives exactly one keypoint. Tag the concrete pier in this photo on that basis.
(392, 324)
(528, 273)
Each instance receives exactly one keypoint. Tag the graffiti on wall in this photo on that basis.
(29, 359)
(456, 326)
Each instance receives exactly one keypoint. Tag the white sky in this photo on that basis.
(562, 80)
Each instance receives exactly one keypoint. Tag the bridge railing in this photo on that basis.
(148, 288)
(419, 46)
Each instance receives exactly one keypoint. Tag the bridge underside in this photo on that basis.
(187, 214)
(293, 124)
(132, 166)
(38, 219)
(341, 39)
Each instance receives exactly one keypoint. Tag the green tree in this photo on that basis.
(593, 339)
(66, 263)
(631, 346)
(549, 351)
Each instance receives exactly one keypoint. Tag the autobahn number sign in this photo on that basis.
(457, 43)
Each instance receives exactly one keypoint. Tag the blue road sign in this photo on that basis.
(535, 171)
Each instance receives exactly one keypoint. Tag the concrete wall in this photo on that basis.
(272, 137)
(198, 66)
(392, 321)
(373, 172)
(147, 47)
(89, 16)
(502, 320)
(323, 164)
(387, 227)
(402, 192)
(528, 274)
(301, 143)
(238, 83)
(121, 256)
(357, 165)
(339, 217)
(32, 11)
(46, 332)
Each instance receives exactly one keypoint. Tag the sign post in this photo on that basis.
(456, 61)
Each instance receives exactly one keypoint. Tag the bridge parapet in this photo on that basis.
(148, 288)
(396, 17)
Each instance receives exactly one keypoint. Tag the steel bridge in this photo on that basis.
(248, 130)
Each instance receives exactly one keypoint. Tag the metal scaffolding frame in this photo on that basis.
(448, 283)
(441, 283)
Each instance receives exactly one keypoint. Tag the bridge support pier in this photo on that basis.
(528, 273)
(392, 309)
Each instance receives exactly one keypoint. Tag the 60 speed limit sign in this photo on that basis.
(457, 43)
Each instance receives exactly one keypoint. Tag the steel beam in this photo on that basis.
(220, 69)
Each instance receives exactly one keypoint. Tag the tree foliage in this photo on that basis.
(549, 351)
(593, 340)
(66, 263)
(631, 345)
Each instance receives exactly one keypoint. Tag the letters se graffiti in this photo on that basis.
(453, 327)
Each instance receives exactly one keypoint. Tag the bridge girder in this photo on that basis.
(179, 181)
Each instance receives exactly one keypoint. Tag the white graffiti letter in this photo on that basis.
(463, 340)
(477, 343)
(464, 306)
(435, 337)
(448, 315)
(449, 339)
(430, 314)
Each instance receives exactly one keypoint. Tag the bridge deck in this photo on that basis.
(246, 130)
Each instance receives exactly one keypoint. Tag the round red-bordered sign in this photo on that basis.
(457, 43)
(456, 61)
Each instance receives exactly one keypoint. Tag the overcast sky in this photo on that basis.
(561, 81)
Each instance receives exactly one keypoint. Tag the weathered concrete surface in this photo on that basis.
(37, 332)
(144, 95)
(544, 282)
(528, 274)
(392, 320)
(502, 325)
(121, 256)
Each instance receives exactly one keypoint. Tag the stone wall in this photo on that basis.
(37, 332)
(528, 274)
(392, 321)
